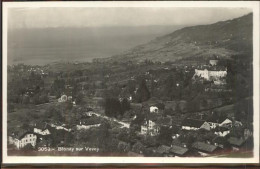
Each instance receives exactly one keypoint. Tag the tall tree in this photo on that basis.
(165, 136)
(125, 105)
(142, 93)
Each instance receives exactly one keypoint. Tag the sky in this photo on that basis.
(108, 17)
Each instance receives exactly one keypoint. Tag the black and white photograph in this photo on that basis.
(131, 81)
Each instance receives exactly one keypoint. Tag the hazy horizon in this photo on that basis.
(99, 17)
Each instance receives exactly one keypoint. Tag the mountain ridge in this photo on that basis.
(222, 39)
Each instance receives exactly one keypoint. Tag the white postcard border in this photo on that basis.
(254, 5)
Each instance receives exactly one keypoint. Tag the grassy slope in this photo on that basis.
(222, 38)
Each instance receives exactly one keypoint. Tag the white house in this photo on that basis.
(22, 139)
(144, 129)
(41, 131)
(151, 124)
(216, 121)
(85, 127)
(154, 109)
(222, 131)
(150, 128)
(213, 124)
(62, 128)
(57, 127)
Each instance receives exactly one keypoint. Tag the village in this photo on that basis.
(130, 109)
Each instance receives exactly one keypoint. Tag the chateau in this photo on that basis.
(210, 74)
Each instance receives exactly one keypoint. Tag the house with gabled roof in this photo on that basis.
(153, 123)
(204, 149)
(61, 127)
(222, 131)
(86, 127)
(178, 151)
(215, 121)
(194, 124)
(164, 150)
(227, 123)
(22, 138)
(41, 129)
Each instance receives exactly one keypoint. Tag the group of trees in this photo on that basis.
(115, 108)
(165, 136)
(240, 76)
(57, 87)
(244, 110)
(100, 137)
(201, 135)
(40, 98)
(176, 86)
(27, 90)
(53, 114)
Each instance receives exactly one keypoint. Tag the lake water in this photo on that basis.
(43, 46)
